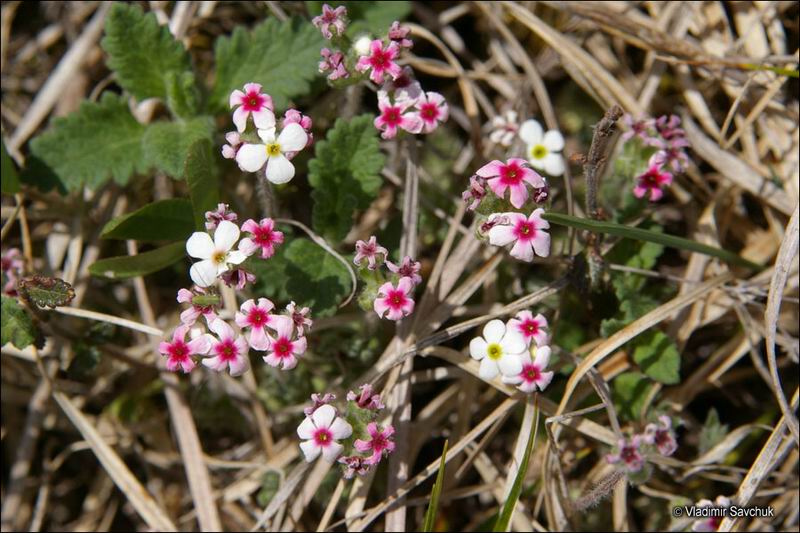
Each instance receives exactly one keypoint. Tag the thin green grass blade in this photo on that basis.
(508, 508)
(640, 234)
(433, 506)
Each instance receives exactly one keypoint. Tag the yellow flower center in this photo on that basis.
(494, 351)
(273, 149)
(219, 257)
(538, 151)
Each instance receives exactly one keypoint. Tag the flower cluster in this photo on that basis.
(543, 148)
(268, 148)
(13, 265)
(327, 433)
(668, 139)
(518, 351)
(629, 452)
(393, 298)
(712, 523)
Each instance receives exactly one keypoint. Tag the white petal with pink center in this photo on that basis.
(320, 431)
(253, 157)
(527, 234)
(228, 350)
(257, 318)
(283, 350)
(499, 350)
(532, 376)
(531, 327)
(216, 254)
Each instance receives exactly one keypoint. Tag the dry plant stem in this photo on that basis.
(266, 196)
(596, 158)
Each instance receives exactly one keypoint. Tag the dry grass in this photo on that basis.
(73, 464)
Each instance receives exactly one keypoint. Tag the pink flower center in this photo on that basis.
(510, 174)
(396, 299)
(178, 350)
(662, 438)
(429, 111)
(257, 317)
(282, 347)
(531, 373)
(525, 230)
(380, 60)
(323, 437)
(530, 327)
(629, 454)
(392, 117)
(226, 350)
(253, 101)
(379, 442)
(650, 179)
(263, 236)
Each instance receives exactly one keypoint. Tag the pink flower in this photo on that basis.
(318, 401)
(190, 315)
(320, 431)
(475, 192)
(541, 194)
(397, 301)
(527, 234)
(179, 352)
(293, 116)
(330, 17)
(380, 443)
(333, 62)
(228, 350)
(354, 465)
(366, 398)
(531, 327)
(668, 128)
(712, 523)
(533, 376)
(264, 237)
(637, 128)
(257, 318)
(512, 175)
(237, 277)
(408, 268)
(661, 436)
(252, 101)
(300, 318)
(12, 266)
(234, 142)
(433, 110)
(398, 35)
(404, 87)
(380, 60)
(283, 350)
(369, 250)
(504, 128)
(213, 218)
(652, 181)
(628, 454)
(395, 115)
(672, 155)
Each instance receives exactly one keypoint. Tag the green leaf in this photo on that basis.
(629, 232)
(315, 278)
(45, 292)
(712, 432)
(201, 175)
(345, 175)
(97, 142)
(372, 17)
(282, 56)
(142, 53)
(10, 181)
(128, 266)
(17, 325)
(38, 174)
(433, 506)
(629, 391)
(658, 357)
(270, 484)
(182, 94)
(507, 512)
(166, 144)
(165, 220)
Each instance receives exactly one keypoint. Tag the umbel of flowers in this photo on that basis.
(353, 437)
(631, 452)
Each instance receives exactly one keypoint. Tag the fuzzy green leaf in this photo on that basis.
(201, 175)
(166, 144)
(45, 291)
(281, 56)
(165, 220)
(629, 391)
(98, 142)
(433, 506)
(17, 325)
(658, 357)
(315, 278)
(345, 175)
(712, 432)
(142, 53)
(128, 266)
(10, 181)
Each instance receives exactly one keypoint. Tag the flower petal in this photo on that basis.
(324, 415)
(544, 380)
(236, 98)
(239, 365)
(310, 449)
(488, 369)
(332, 451)
(553, 164)
(203, 273)
(221, 329)
(258, 339)
(493, 331)
(226, 235)
(240, 118)
(341, 429)
(553, 141)
(513, 342)
(523, 251)
(510, 365)
(531, 132)
(542, 357)
(306, 429)
(280, 170)
(200, 246)
(541, 243)
(490, 169)
(264, 119)
(251, 157)
(478, 348)
(293, 138)
(501, 235)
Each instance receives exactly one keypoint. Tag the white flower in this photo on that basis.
(320, 431)
(361, 45)
(543, 148)
(500, 350)
(217, 254)
(253, 157)
(504, 128)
